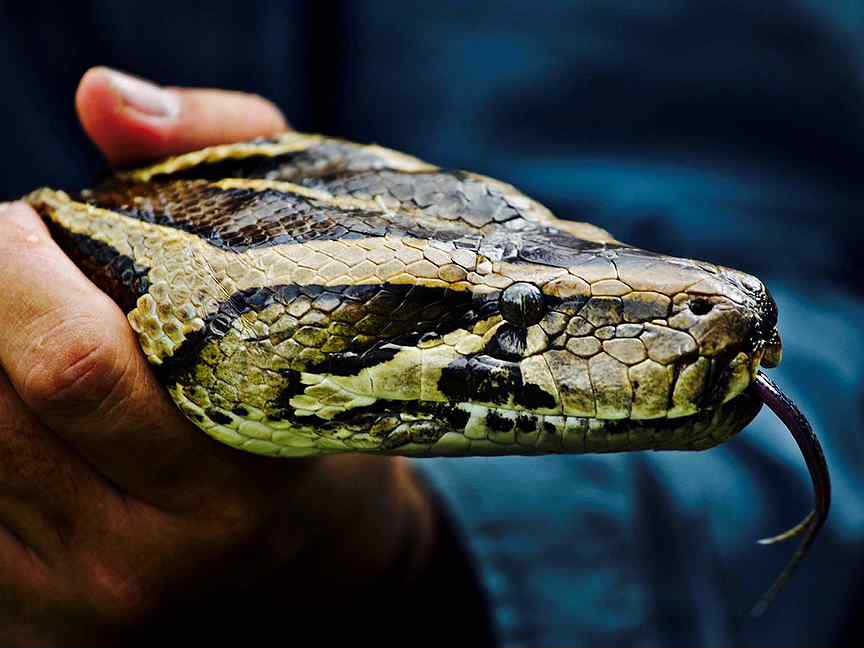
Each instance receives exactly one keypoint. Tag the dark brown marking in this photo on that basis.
(218, 417)
(508, 343)
(526, 423)
(117, 275)
(486, 379)
(271, 217)
(498, 423)
(402, 315)
(531, 396)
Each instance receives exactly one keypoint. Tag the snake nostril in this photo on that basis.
(700, 306)
(769, 309)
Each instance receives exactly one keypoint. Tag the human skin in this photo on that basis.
(113, 508)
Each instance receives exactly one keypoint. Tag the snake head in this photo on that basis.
(625, 334)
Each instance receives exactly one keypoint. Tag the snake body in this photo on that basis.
(304, 295)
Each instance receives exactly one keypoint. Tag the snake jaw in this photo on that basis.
(773, 350)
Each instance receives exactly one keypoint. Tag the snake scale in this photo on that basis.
(303, 295)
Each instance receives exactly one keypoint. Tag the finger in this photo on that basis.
(42, 483)
(34, 478)
(132, 120)
(72, 358)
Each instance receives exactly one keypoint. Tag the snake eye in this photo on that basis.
(522, 304)
(700, 306)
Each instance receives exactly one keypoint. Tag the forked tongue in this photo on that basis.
(806, 439)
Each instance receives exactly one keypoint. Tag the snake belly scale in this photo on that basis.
(305, 295)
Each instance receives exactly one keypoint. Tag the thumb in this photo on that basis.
(132, 120)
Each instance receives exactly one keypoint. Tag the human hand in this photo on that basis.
(115, 512)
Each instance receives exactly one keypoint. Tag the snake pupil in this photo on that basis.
(522, 304)
(701, 306)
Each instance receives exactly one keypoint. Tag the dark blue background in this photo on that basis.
(732, 131)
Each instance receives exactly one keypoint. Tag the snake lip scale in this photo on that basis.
(304, 295)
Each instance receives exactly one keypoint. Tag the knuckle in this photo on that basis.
(73, 364)
(117, 592)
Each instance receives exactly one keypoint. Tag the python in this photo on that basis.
(304, 295)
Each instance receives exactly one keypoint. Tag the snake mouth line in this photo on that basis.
(423, 429)
(459, 429)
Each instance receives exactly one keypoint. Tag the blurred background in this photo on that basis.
(726, 130)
